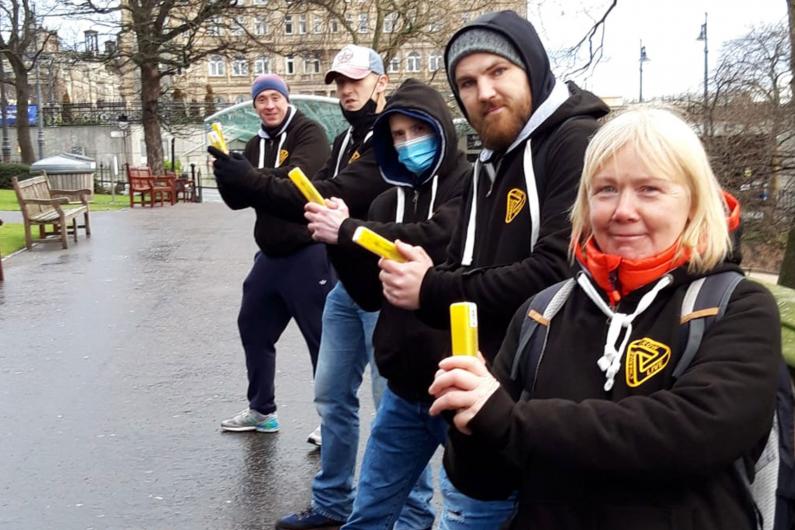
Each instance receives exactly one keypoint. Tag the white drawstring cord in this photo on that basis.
(610, 361)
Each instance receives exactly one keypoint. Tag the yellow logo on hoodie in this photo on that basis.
(354, 157)
(645, 358)
(514, 204)
(283, 154)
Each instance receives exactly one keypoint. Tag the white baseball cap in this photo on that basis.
(355, 62)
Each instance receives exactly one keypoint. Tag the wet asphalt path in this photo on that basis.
(118, 359)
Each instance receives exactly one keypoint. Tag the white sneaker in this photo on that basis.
(314, 437)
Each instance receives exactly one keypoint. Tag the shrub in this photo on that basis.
(168, 166)
(13, 170)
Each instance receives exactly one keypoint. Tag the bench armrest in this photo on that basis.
(80, 194)
(52, 202)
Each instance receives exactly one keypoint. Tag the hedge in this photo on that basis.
(13, 170)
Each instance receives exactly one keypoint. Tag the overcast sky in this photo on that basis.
(668, 29)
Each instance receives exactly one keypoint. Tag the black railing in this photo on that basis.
(107, 113)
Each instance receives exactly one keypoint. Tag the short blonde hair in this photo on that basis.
(666, 145)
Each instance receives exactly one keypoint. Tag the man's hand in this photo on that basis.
(229, 167)
(325, 221)
(462, 384)
(402, 281)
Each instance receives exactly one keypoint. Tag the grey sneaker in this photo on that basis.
(314, 437)
(251, 420)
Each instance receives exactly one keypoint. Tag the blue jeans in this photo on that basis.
(403, 440)
(346, 347)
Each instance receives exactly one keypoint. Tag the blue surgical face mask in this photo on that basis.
(418, 154)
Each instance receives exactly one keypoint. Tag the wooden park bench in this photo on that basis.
(141, 181)
(43, 206)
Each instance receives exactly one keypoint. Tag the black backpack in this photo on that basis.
(770, 481)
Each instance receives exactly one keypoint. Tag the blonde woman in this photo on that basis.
(600, 433)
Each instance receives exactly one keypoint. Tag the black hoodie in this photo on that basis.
(503, 270)
(299, 142)
(350, 173)
(407, 351)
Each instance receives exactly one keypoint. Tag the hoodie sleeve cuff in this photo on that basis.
(345, 234)
(493, 422)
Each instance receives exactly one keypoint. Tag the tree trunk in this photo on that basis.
(786, 276)
(150, 92)
(23, 125)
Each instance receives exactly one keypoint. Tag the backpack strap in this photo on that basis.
(704, 303)
(533, 335)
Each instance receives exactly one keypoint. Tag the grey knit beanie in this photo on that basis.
(480, 39)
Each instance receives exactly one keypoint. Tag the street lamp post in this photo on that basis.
(643, 58)
(6, 149)
(124, 126)
(40, 111)
(703, 36)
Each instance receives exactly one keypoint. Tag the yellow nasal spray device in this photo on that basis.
(216, 138)
(376, 244)
(305, 186)
(464, 328)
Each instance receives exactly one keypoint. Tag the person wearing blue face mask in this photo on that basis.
(415, 146)
(417, 154)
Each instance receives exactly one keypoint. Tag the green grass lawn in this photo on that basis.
(100, 203)
(786, 306)
(12, 238)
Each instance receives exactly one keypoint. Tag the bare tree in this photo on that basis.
(22, 44)
(750, 133)
(787, 275)
(160, 38)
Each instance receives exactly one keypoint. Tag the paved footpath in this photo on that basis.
(118, 359)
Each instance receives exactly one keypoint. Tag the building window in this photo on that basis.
(394, 65)
(301, 24)
(311, 65)
(363, 23)
(260, 2)
(434, 62)
(288, 24)
(214, 28)
(413, 62)
(289, 65)
(216, 66)
(261, 26)
(434, 27)
(390, 21)
(262, 65)
(240, 67)
(317, 23)
(241, 98)
(335, 25)
(349, 21)
(238, 28)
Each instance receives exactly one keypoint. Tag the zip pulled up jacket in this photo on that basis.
(301, 142)
(407, 351)
(654, 452)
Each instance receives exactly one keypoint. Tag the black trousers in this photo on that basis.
(276, 290)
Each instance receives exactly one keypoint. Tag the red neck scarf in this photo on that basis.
(618, 276)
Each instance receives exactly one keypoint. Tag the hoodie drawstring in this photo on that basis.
(610, 361)
(400, 209)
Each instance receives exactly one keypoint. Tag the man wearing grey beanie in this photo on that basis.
(514, 230)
